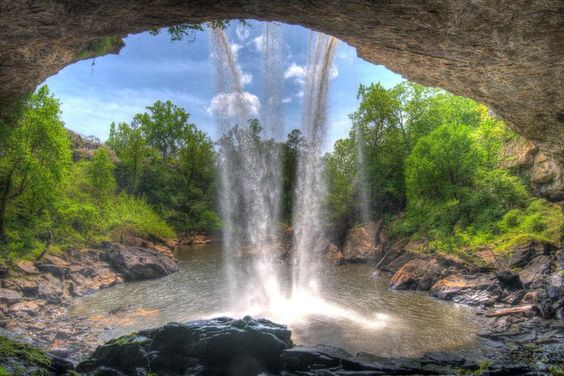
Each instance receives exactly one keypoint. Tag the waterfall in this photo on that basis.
(310, 187)
(251, 187)
(250, 169)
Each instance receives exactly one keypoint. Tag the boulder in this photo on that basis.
(137, 263)
(362, 242)
(244, 346)
(26, 267)
(509, 280)
(8, 296)
(330, 253)
(54, 265)
(522, 255)
(535, 273)
(29, 307)
(479, 289)
(50, 289)
(421, 274)
(27, 286)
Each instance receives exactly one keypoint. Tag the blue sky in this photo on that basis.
(98, 91)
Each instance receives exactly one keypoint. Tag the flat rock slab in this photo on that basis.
(479, 289)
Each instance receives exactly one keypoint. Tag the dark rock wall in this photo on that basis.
(508, 54)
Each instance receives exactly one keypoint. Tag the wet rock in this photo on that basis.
(4, 271)
(54, 265)
(50, 289)
(305, 358)
(330, 253)
(535, 274)
(175, 348)
(29, 307)
(8, 296)
(193, 238)
(480, 289)
(522, 255)
(144, 243)
(137, 263)
(100, 276)
(361, 242)
(26, 267)
(509, 280)
(445, 358)
(514, 298)
(421, 274)
(27, 286)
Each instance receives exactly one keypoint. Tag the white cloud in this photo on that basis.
(334, 72)
(259, 43)
(233, 105)
(243, 32)
(287, 100)
(235, 47)
(246, 78)
(295, 71)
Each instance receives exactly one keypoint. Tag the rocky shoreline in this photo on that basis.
(242, 347)
(34, 297)
(520, 297)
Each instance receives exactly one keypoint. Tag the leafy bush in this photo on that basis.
(130, 214)
(459, 203)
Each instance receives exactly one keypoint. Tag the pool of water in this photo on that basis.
(353, 311)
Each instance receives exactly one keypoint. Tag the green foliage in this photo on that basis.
(169, 162)
(100, 47)
(50, 203)
(459, 201)
(133, 215)
(100, 172)
(436, 157)
(442, 165)
(36, 160)
(187, 31)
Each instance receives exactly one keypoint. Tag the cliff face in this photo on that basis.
(541, 170)
(508, 54)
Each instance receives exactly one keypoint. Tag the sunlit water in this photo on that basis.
(356, 312)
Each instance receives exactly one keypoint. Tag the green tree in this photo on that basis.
(443, 164)
(36, 159)
(130, 146)
(343, 201)
(164, 127)
(100, 172)
(290, 150)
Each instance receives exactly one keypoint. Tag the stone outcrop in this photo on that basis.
(364, 243)
(135, 263)
(207, 347)
(422, 273)
(226, 346)
(479, 289)
(34, 296)
(543, 172)
(508, 55)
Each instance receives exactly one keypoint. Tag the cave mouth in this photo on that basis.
(498, 54)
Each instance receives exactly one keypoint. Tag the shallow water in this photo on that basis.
(355, 312)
